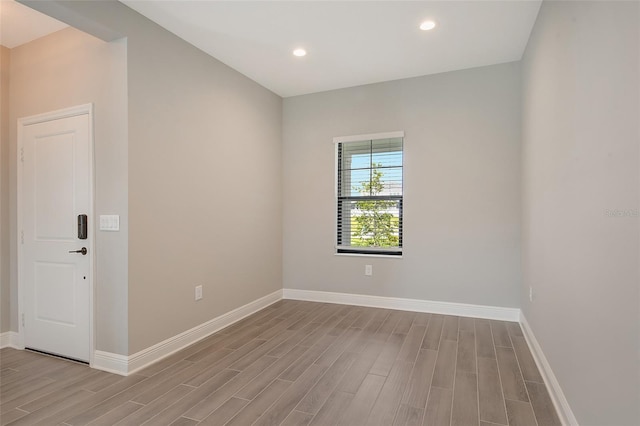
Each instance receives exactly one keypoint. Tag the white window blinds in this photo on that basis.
(369, 194)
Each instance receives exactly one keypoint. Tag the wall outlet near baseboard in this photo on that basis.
(198, 292)
(368, 270)
(530, 294)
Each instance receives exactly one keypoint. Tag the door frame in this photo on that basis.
(42, 118)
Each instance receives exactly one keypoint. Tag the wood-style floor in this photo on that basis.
(299, 363)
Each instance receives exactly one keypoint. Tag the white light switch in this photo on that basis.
(109, 222)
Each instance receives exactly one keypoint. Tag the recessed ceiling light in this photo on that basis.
(299, 52)
(427, 25)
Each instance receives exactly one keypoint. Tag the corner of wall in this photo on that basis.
(551, 382)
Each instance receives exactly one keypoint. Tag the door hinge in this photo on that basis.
(21, 237)
(22, 320)
(22, 155)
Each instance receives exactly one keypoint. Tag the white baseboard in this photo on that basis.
(125, 365)
(9, 339)
(110, 362)
(553, 386)
(415, 305)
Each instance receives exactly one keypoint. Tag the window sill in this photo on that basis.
(388, 256)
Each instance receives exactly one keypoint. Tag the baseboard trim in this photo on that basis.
(110, 362)
(10, 339)
(125, 365)
(553, 386)
(415, 305)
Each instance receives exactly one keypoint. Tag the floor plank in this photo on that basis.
(184, 421)
(360, 368)
(214, 400)
(260, 404)
(384, 410)
(412, 343)
(320, 392)
(466, 324)
(117, 414)
(490, 397)
(111, 401)
(363, 400)
(165, 382)
(525, 360)
(445, 365)
(333, 410)
(500, 334)
(450, 328)
(338, 347)
(438, 411)
(484, 339)
(297, 418)
(543, 407)
(514, 329)
(79, 406)
(296, 369)
(151, 409)
(58, 389)
(421, 319)
(405, 322)
(299, 363)
(389, 325)
(179, 407)
(262, 380)
(464, 411)
(388, 355)
(11, 416)
(520, 413)
(225, 412)
(291, 397)
(434, 331)
(416, 392)
(510, 376)
(466, 357)
(211, 370)
(408, 416)
(23, 387)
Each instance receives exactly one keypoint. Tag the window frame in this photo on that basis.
(366, 251)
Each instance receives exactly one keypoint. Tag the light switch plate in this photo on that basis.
(109, 222)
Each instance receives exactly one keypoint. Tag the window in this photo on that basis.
(369, 194)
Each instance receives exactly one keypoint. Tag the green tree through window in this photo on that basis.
(374, 225)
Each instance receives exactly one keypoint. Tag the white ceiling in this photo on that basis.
(349, 43)
(20, 24)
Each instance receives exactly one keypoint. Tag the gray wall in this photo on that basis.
(204, 186)
(580, 159)
(5, 306)
(65, 69)
(204, 178)
(462, 187)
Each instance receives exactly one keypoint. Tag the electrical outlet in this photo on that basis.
(368, 270)
(530, 294)
(198, 292)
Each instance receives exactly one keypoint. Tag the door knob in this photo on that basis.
(83, 250)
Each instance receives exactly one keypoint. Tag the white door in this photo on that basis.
(55, 278)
